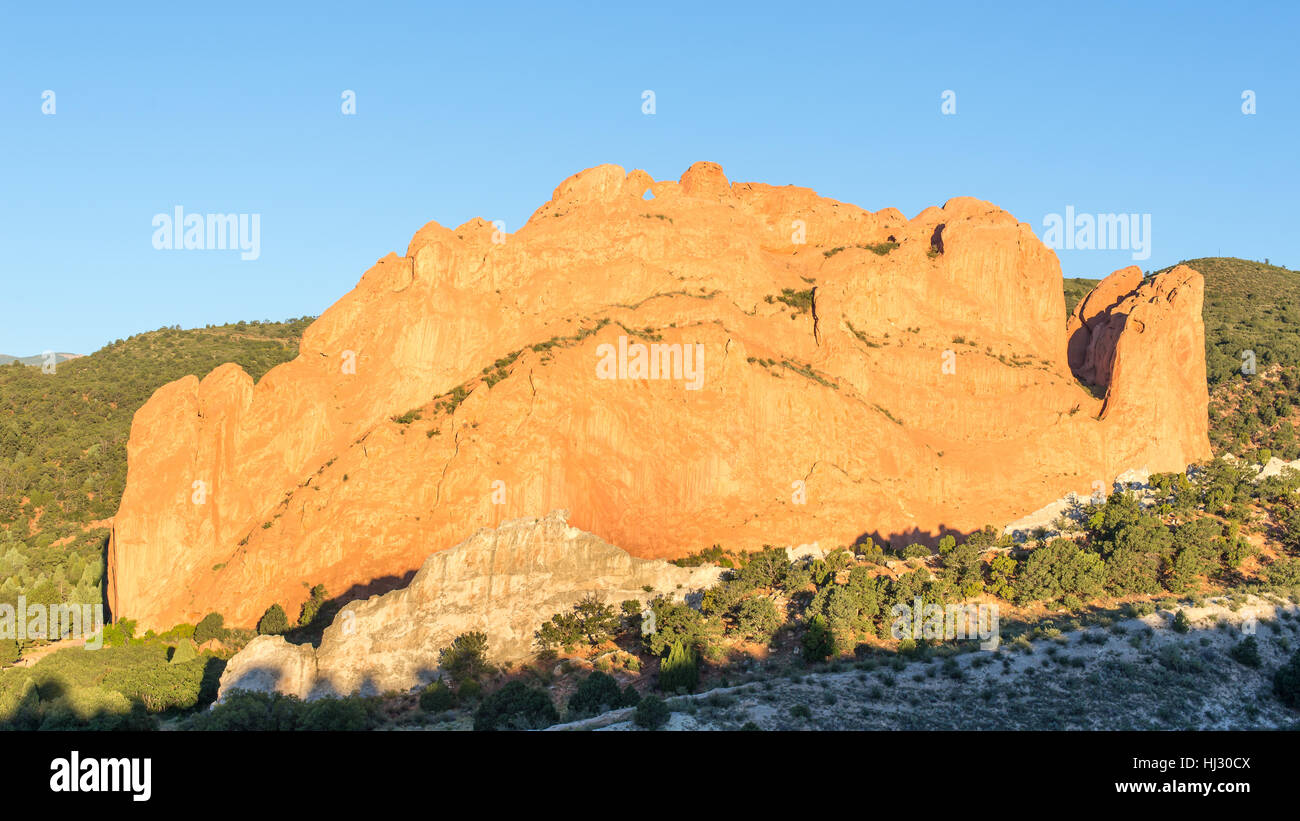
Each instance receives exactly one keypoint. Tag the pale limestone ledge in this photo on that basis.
(504, 582)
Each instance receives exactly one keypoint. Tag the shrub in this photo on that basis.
(915, 551)
(245, 710)
(469, 690)
(212, 626)
(436, 697)
(350, 714)
(768, 568)
(631, 697)
(1059, 568)
(1246, 652)
(273, 622)
(1286, 682)
(652, 713)
(516, 706)
(1181, 623)
(597, 693)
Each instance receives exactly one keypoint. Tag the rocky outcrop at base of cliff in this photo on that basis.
(504, 582)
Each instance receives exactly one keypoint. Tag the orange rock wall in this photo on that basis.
(928, 389)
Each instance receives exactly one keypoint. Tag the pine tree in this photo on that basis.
(184, 652)
(680, 671)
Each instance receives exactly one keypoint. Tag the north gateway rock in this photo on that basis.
(862, 373)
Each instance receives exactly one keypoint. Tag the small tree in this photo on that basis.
(212, 626)
(1247, 652)
(273, 622)
(312, 606)
(466, 657)
(591, 621)
(757, 618)
(818, 641)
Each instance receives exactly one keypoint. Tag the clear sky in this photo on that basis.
(481, 109)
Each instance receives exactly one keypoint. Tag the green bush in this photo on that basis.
(757, 618)
(311, 607)
(1247, 652)
(253, 711)
(652, 713)
(516, 706)
(915, 551)
(1286, 682)
(468, 690)
(591, 622)
(1181, 624)
(597, 693)
(437, 697)
(818, 640)
(273, 622)
(212, 626)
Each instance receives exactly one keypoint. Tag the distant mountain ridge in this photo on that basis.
(39, 359)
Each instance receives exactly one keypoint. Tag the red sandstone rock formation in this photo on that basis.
(861, 373)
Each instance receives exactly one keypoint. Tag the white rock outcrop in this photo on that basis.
(503, 582)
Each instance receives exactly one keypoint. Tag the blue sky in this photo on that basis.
(470, 110)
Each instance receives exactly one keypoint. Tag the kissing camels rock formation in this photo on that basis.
(850, 373)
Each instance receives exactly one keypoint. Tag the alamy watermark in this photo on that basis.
(53, 622)
(658, 360)
(1098, 232)
(179, 231)
(946, 621)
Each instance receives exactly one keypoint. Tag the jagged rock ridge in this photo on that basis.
(861, 373)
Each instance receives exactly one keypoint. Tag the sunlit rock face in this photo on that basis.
(849, 373)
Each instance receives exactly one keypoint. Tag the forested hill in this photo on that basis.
(1249, 306)
(63, 444)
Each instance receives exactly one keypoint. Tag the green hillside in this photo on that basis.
(1075, 290)
(1249, 306)
(63, 445)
